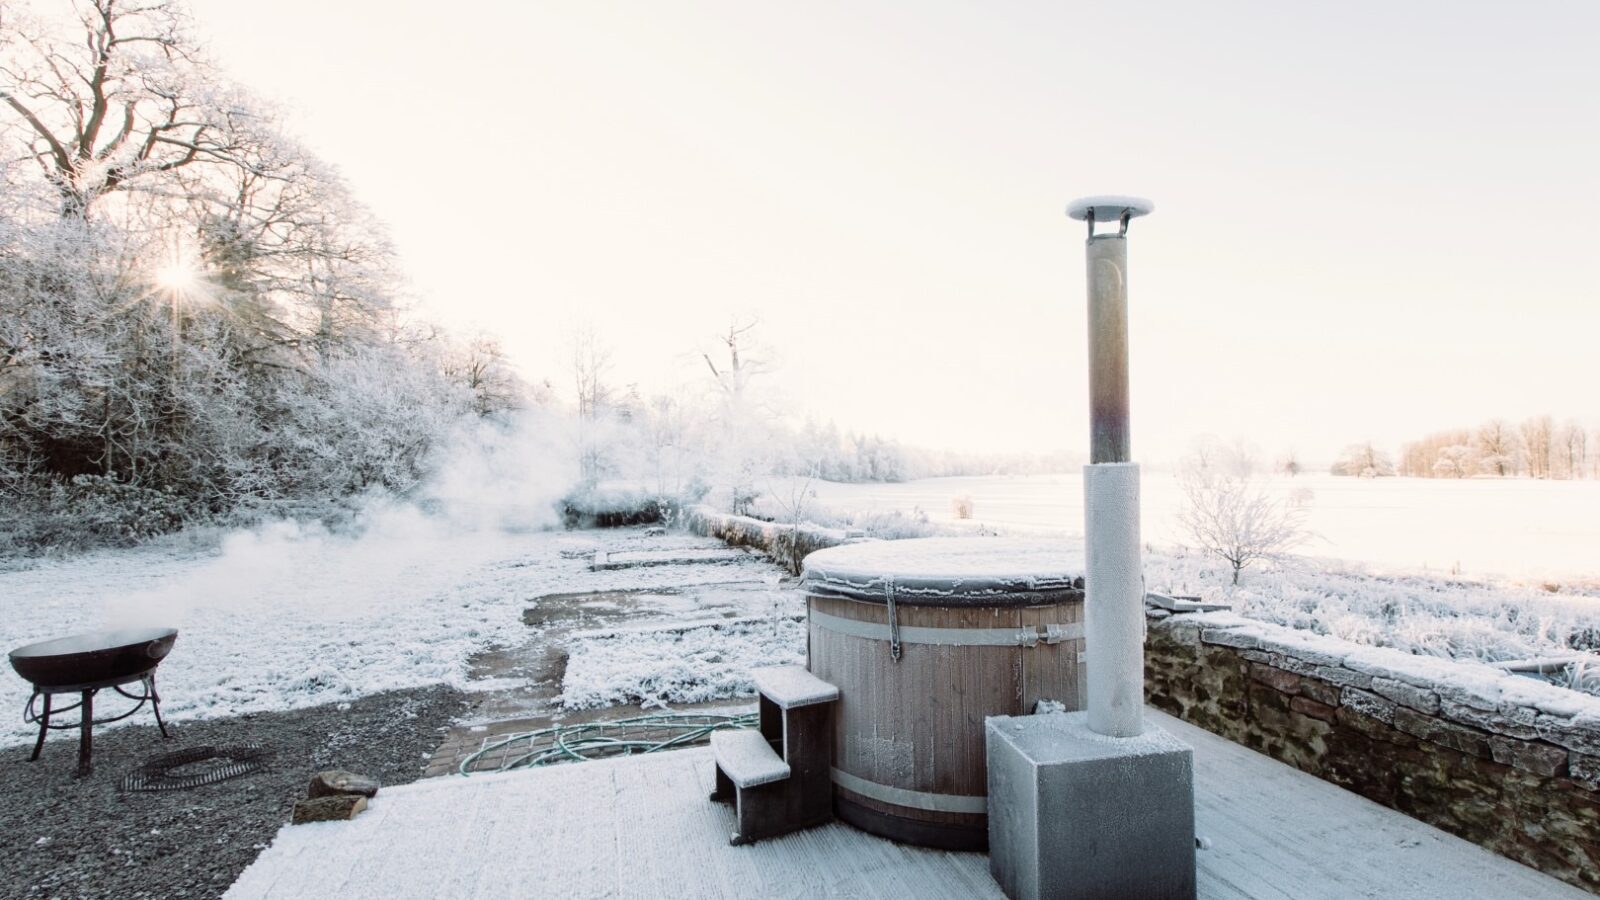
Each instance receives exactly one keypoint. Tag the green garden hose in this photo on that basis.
(599, 740)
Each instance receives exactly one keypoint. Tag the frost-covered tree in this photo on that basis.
(1499, 448)
(118, 98)
(480, 366)
(743, 421)
(590, 364)
(1363, 460)
(671, 451)
(194, 313)
(1455, 461)
(1234, 517)
(1209, 454)
(1439, 455)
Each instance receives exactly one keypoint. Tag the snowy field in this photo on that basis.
(289, 616)
(1520, 528)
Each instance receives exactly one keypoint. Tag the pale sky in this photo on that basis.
(1374, 220)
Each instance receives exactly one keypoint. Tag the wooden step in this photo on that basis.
(747, 759)
(792, 686)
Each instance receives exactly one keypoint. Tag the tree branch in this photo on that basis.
(56, 149)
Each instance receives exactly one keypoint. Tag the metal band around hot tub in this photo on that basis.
(1026, 636)
(883, 793)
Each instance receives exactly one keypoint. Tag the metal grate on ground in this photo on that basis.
(163, 773)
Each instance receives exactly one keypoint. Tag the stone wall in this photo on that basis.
(1504, 761)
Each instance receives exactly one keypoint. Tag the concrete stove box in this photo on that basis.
(1076, 814)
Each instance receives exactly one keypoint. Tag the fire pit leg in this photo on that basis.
(155, 705)
(86, 736)
(44, 727)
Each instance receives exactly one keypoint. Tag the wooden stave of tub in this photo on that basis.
(940, 727)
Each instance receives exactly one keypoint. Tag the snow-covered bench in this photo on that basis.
(779, 776)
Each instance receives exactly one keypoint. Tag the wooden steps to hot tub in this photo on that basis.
(747, 759)
(779, 776)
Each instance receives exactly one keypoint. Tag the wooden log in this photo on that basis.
(328, 809)
(337, 783)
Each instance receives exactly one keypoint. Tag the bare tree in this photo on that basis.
(1234, 517)
(1289, 464)
(1538, 435)
(1498, 447)
(734, 376)
(1573, 442)
(793, 492)
(591, 361)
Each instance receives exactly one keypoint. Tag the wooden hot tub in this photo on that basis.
(985, 627)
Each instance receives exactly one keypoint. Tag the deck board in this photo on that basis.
(642, 828)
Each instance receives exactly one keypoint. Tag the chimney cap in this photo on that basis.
(1109, 207)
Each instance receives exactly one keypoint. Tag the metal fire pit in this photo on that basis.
(86, 664)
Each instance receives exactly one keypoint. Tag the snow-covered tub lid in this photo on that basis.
(948, 572)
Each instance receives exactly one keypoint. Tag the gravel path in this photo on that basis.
(69, 838)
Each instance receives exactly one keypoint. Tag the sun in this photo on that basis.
(178, 277)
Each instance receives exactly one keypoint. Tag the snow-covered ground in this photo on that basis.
(289, 616)
(656, 667)
(1521, 528)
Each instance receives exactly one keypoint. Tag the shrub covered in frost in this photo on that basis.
(89, 510)
(1430, 616)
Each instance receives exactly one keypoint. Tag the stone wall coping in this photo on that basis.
(1463, 683)
(838, 535)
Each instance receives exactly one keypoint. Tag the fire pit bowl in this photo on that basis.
(71, 663)
(84, 664)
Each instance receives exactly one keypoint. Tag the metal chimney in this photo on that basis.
(1114, 579)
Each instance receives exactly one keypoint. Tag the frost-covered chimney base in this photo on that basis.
(1114, 603)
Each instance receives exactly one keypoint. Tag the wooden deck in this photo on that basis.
(642, 828)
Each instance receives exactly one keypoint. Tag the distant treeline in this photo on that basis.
(1537, 447)
(847, 456)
